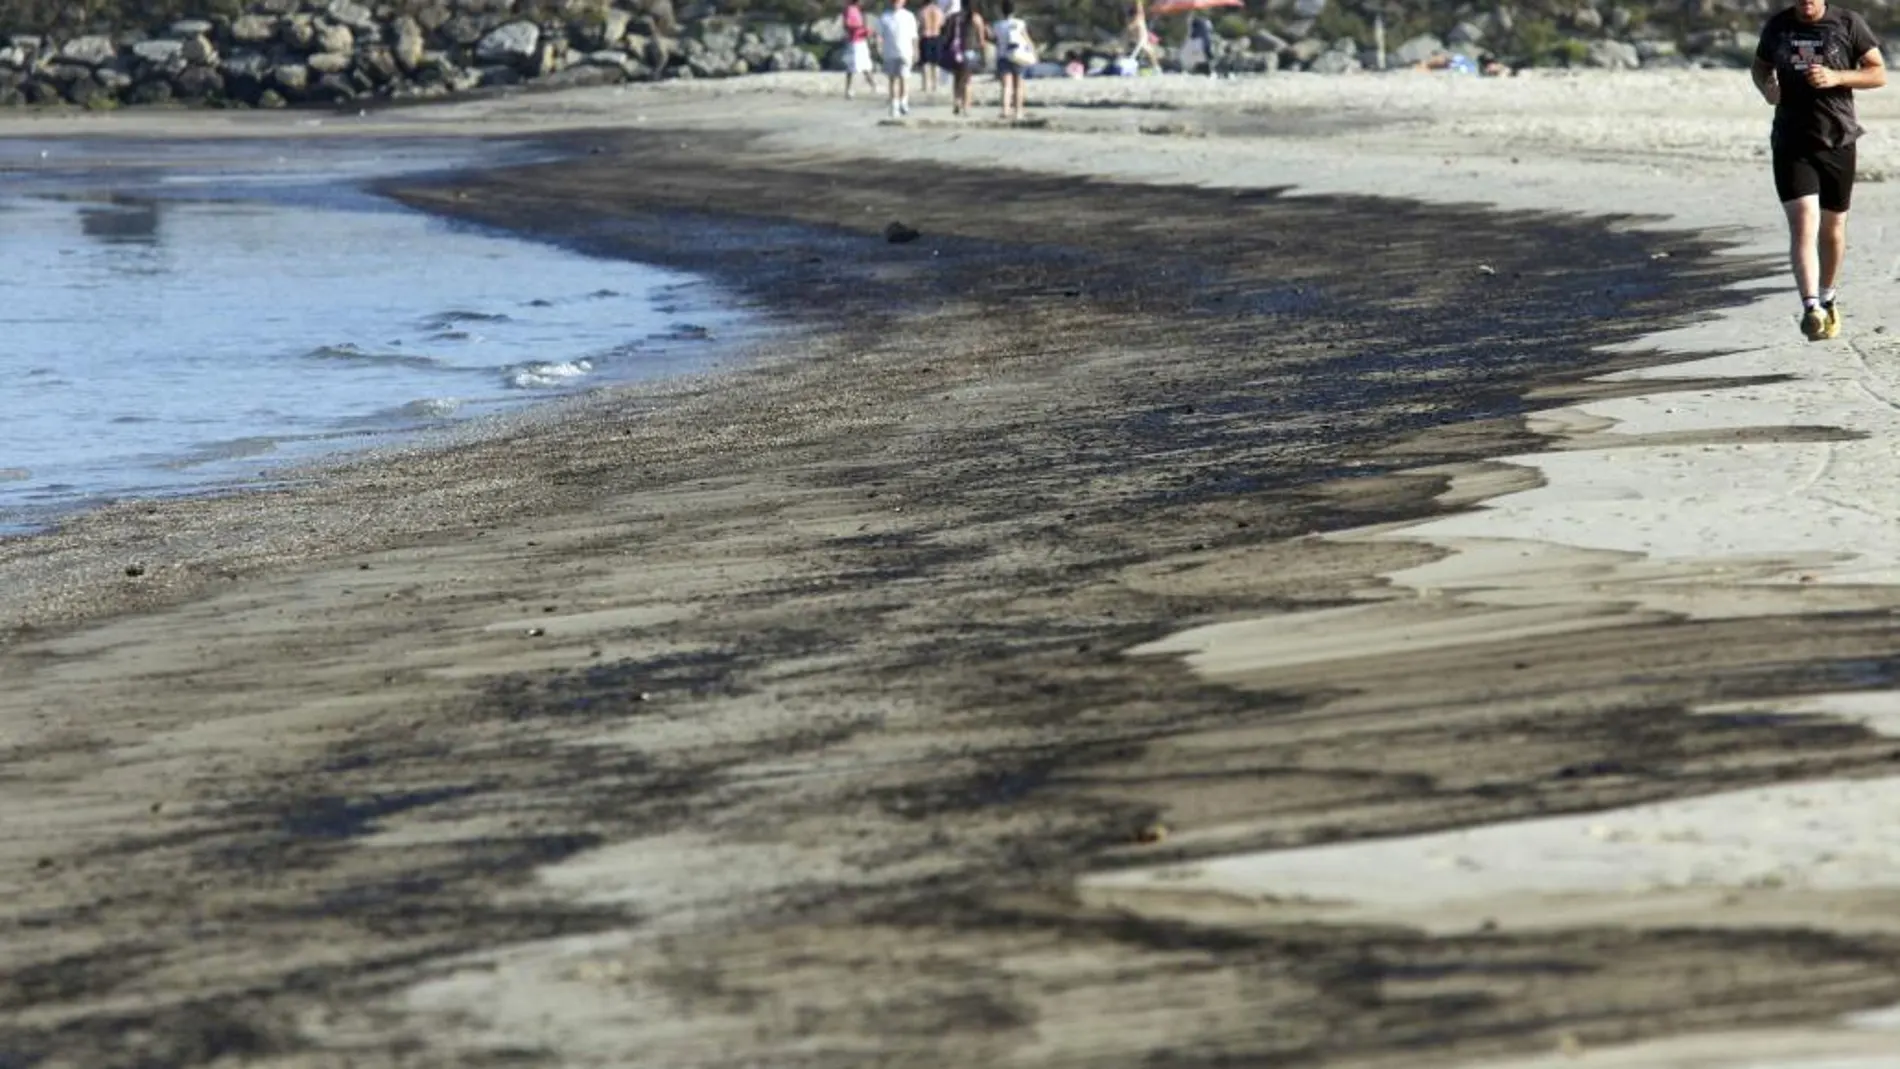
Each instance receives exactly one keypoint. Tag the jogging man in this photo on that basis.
(1811, 59)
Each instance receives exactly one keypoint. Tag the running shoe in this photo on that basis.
(1814, 323)
(1831, 315)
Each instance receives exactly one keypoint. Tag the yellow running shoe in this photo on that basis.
(1831, 319)
(1814, 323)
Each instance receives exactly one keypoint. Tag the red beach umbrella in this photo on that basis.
(1175, 7)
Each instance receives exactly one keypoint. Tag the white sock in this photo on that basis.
(1809, 304)
(1827, 295)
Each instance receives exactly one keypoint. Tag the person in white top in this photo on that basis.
(897, 33)
(1015, 53)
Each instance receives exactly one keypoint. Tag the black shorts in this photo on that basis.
(1827, 172)
(930, 50)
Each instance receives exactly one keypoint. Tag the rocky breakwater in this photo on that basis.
(283, 52)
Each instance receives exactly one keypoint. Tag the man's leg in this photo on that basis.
(1833, 252)
(1832, 246)
(1804, 232)
(1804, 226)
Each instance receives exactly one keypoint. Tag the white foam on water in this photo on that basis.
(542, 375)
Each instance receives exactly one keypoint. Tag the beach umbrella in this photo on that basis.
(1175, 7)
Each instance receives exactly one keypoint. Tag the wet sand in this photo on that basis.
(887, 702)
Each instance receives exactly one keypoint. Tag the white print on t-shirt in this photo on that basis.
(1803, 49)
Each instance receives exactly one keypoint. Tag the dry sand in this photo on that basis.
(818, 715)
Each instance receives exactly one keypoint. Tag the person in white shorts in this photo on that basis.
(897, 34)
(857, 48)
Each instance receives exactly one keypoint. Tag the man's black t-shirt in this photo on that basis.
(1807, 118)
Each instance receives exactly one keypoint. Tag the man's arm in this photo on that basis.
(1763, 72)
(1871, 75)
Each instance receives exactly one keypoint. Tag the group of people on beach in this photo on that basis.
(950, 37)
(954, 37)
(1810, 59)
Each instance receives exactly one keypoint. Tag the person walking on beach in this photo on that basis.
(897, 36)
(930, 45)
(857, 48)
(1015, 53)
(1201, 42)
(1811, 58)
(962, 54)
(1142, 38)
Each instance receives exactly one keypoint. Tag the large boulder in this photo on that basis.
(463, 30)
(661, 52)
(298, 33)
(150, 91)
(331, 62)
(379, 64)
(245, 75)
(90, 51)
(720, 35)
(432, 16)
(198, 50)
(605, 29)
(1614, 55)
(825, 31)
(352, 14)
(1335, 62)
(292, 79)
(513, 44)
(334, 89)
(85, 92)
(185, 28)
(1417, 50)
(586, 74)
(334, 37)
(792, 59)
(1650, 49)
(160, 53)
(253, 29)
(198, 83)
(1304, 52)
(656, 17)
(408, 40)
(776, 36)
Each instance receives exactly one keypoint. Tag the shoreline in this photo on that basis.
(827, 698)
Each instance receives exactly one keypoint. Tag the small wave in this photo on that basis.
(601, 294)
(14, 475)
(351, 354)
(431, 408)
(542, 374)
(446, 320)
(216, 452)
(454, 335)
(687, 332)
(540, 302)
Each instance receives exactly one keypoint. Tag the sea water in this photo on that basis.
(177, 317)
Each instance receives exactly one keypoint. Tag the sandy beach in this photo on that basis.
(1309, 571)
